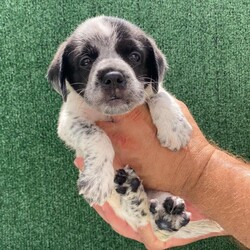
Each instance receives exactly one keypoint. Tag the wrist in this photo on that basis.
(220, 168)
(182, 170)
(196, 165)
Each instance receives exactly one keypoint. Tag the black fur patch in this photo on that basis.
(70, 67)
(152, 63)
(74, 72)
(137, 202)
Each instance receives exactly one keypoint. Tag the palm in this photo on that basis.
(144, 234)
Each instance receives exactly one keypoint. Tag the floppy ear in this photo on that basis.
(57, 72)
(156, 64)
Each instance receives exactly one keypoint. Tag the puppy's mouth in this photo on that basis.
(117, 105)
(115, 100)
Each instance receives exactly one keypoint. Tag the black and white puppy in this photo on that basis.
(108, 67)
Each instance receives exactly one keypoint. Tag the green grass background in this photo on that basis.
(207, 44)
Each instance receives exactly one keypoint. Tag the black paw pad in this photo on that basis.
(185, 221)
(121, 177)
(179, 209)
(168, 204)
(135, 183)
(121, 190)
(171, 208)
(152, 208)
(164, 225)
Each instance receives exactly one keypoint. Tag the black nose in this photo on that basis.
(114, 79)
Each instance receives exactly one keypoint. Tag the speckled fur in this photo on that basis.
(85, 102)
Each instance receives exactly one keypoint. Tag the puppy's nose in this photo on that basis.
(113, 79)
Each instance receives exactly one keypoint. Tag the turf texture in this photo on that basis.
(207, 44)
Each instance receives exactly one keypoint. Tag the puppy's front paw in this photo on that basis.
(173, 132)
(126, 181)
(95, 182)
(170, 215)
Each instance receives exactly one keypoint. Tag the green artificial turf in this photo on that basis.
(207, 44)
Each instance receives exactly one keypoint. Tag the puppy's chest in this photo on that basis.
(78, 108)
(93, 115)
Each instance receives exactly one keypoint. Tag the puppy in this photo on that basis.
(108, 67)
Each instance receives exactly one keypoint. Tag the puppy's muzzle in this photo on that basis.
(113, 80)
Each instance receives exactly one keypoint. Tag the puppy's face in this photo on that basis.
(111, 63)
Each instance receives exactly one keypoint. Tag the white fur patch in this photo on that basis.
(77, 129)
(173, 129)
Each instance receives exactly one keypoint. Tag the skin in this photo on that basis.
(215, 183)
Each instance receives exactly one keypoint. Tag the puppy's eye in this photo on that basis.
(85, 61)
(135, 57)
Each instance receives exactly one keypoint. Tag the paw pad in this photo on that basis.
(135, 183)
(121, 176)
(172, 208)
(170, 215)
(126, 180)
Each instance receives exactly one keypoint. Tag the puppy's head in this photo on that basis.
(111, 63)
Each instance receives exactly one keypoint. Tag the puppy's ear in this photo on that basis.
(156, 64)
(57, 72)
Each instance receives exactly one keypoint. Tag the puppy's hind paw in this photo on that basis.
(170, 215)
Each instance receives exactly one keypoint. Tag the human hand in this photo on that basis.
(134, 140)
(145, 234)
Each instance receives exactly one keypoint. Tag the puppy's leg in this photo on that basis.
(96, 181)
(165, 212)
(133, 201)
(173, 130)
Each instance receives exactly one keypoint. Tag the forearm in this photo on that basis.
(222, 193)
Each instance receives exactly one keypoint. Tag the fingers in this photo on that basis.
(79, 163)
(195, 213)
(149, 239)
(119, 225)
(100, 211)
(181, 242)
(108, 214)
(144, 234)
(152, 243)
